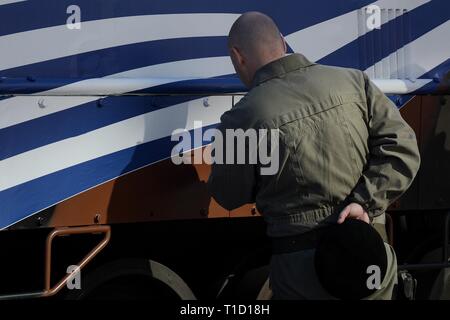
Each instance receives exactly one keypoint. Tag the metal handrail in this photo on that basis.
(48, 290)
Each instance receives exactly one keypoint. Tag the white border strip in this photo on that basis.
(50, 43)
(3, 2)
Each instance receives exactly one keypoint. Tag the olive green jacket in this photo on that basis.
(341, 140)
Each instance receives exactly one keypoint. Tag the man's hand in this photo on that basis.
(353, 211)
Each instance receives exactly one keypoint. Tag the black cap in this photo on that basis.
(343, 255)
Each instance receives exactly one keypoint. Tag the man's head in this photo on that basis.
(254, 41)
(345, 258)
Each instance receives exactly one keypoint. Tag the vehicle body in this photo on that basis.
(91, 92)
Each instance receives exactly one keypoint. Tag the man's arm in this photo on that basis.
(232, 185)
(394, 157)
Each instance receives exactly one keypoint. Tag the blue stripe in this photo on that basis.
(81, 119)
(75, 121)
(20, 201)
(438, 74)
(340, 57)
(113, 60)
(289, 15)
(39, 129)
(104, 62)
(420, 22)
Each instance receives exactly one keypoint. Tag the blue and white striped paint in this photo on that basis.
(54, 147)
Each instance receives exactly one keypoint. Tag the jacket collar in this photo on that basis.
(280, 67)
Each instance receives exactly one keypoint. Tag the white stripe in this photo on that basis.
(33, 46)
(24, 108)
(322, 39)
(106, 140)
(115, 137)
(19, 109)
(3, 2)
(428, 51)
(400, 86)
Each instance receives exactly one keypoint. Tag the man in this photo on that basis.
(344, 150)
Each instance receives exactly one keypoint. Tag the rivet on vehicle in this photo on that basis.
(39, 221)
(41, 103)
(100, 103)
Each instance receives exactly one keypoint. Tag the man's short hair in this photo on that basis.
(253, 32)
(343, 255)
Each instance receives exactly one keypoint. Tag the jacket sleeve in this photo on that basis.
(231, 185)
(394, 157)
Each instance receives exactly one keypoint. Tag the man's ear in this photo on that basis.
(284, 43)
(238, 55)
